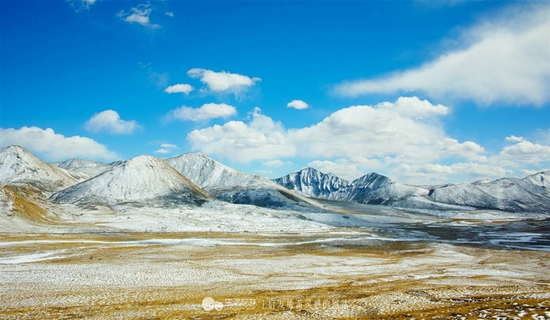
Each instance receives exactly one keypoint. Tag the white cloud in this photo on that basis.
(139, 14)
(223, 81)
(503, 60)
(297, 104)
(177, 88)
(110, 121)
(170, 14)
(409, 128)
(166, 148)
(54, 146)
(277, 163)
(206, 112)
(404, 139)
(260, 139)
(169, 146)
(525, 152)
(513, 138)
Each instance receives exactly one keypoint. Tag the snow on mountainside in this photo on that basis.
(18, 166)
(531, 194)
(374, 188)
(144, 179)
(313, 183)
(89, 168)
(230, 185)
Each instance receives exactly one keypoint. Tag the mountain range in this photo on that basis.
(194, 178)
(530, 194)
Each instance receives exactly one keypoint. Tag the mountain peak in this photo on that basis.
(313, 183)
(140, 178)
(18, 165)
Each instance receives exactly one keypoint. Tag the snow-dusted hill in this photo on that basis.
(313, 183)
(19, 166)
(87, 167)
(140, 180)
(374, 188)
(230, 185)
(531, 194)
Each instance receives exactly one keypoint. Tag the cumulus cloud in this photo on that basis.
(297, 104)
(179, 88)
(408, 130)
(206, 112)
(139, 14)
(260, 139)
(54, 146)
(506, 60)
(223, 81)
(110, 121)
(525, 152)
(404, 139)
(170, 14)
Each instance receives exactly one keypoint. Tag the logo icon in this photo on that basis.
(209, 304)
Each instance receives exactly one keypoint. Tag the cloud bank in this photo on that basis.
(506, 60)
(405, 138)
(53, 145)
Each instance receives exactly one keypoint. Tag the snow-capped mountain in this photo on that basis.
(531, 194)
(19, 166)
(88, 167)
(138, 180)
(313, 183)
(230, 185)
(374, 188)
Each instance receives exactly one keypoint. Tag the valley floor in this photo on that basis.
(333, 274)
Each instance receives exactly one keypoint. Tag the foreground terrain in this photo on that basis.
(396, 268)
(193, 239)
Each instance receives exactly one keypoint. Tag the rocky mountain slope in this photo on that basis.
(530, 194)
(227, 184)
(86, 167)
(19, 166)
(144, 179)
(313, 183)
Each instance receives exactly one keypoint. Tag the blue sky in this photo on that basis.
(422, 91)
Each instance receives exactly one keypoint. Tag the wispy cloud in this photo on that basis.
(205, 112)
(79, 5)
(502, 60)
(139, 15)
(167, 148)
(110, 121)
(54, 146)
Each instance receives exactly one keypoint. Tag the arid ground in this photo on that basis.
(339, 274)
